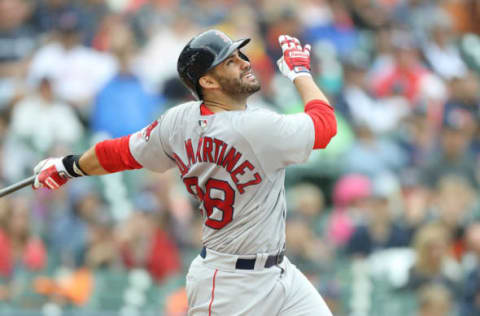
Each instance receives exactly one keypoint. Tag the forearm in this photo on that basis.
(319, 109)
(308, 90)
(106, 157)
(90, 164)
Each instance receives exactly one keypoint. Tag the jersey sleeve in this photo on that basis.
(277, 140)
(150, 147)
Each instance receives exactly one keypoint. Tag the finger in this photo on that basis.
(280, 62)
(39, 166)
(51, 184)
(296, 43)
(282, 39)
(307, 49)
(291, 42)
(36, 184)
(290, 38)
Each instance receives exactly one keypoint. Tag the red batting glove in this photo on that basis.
(51, 173)
(295, 61)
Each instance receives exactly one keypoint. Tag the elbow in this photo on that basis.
(325, 143)
(334, 127)
(324, 123)
(328, 133)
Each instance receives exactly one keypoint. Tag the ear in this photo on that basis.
(208, 82)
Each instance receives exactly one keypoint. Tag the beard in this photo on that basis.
(238, 87)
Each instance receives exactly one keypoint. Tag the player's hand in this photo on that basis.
(50, 173)
(295, 61)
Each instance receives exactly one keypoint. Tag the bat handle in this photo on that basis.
(17, 186)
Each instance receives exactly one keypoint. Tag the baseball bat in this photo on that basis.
(17, 186)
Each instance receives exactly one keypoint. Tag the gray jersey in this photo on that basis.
(234, 163)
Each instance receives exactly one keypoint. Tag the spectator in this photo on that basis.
(340, 31)
(69, 227)
(143, 239)
(371, 156)
(123, 98)
(77, 72)
(433, 262)
(380, 229)
(56, 129)
(406, 77)
(350, 195)
(455, 201)
(47, 14)
(464, 101)
(155, 59)
(380, 116)
(308, 205)
(453, 156)
(382, 51)
(470, 303)
(441, 52)
(368, 14)
(152, 17)
(308, 202)
(307, 250)
(17, 44)
(416, 199)
(101, 252)
(417, 134)
(415, 16)
(20, 250)
(434, 300)
(55, 122)
(93, 13)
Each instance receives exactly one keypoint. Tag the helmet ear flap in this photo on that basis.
(243, 56)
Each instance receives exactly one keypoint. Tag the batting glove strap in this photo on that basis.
(295, 61)
(72, 166)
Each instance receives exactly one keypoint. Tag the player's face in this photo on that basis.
(236, 77)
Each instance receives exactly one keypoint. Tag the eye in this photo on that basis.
(229, 62)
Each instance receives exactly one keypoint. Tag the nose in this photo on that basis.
(244, 64)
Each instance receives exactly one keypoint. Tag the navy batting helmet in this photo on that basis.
(204, 52)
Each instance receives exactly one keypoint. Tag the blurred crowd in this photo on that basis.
(385, 221)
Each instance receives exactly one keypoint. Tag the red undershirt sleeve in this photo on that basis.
(114, 155)
(324, 122)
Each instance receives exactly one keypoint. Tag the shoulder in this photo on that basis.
(177, 117)
(257, 119)
(183, 110)
(254, 116)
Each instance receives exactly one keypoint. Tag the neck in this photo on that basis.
(225, 104)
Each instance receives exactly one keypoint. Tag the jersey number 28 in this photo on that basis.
(225, 205)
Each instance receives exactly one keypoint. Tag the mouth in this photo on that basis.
(249, 75)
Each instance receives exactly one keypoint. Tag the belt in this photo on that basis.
(249, 264)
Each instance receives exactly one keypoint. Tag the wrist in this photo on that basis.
(303, 74)
(72, 166)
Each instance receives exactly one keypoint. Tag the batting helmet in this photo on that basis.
(204, 52)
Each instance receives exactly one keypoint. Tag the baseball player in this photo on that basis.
(232, 158)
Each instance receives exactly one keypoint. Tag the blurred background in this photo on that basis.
(385, 221)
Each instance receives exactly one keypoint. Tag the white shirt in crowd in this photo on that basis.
(77, 74)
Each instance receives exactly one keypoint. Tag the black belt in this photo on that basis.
(249, 264)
